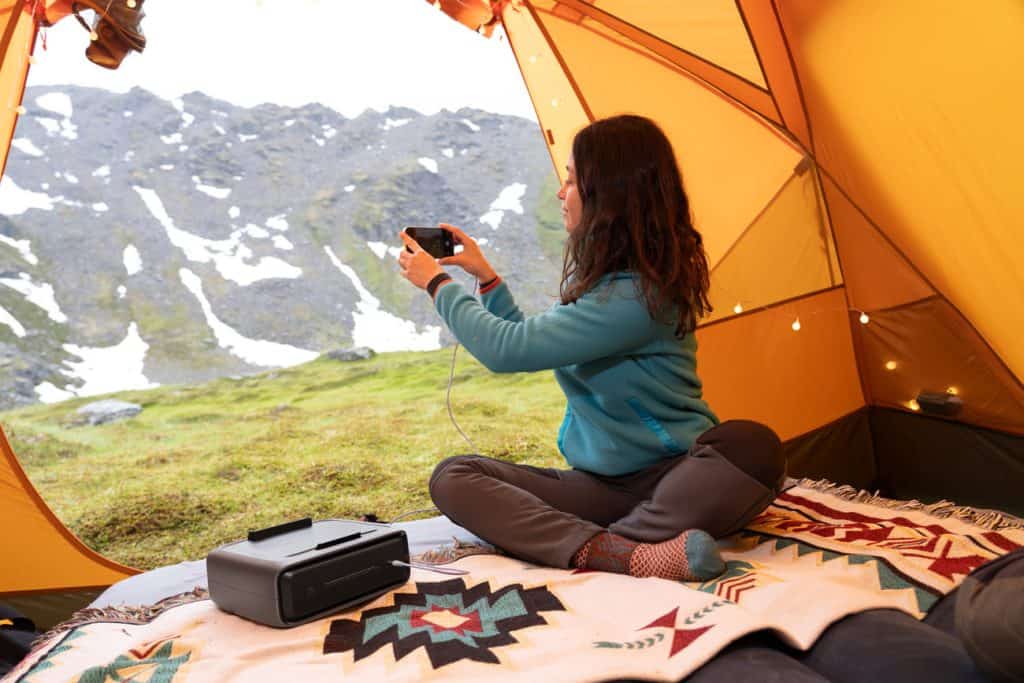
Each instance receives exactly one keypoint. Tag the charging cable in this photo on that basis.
(451, 416)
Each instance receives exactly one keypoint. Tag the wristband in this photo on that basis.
(490, 284)
(436, 282)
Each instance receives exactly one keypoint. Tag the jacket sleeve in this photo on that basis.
(601, 323)
(499, 301)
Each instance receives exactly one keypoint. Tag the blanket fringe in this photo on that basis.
(125, 614)
(446, 554)
(993, 520)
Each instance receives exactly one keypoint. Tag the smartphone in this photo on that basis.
(437, 242)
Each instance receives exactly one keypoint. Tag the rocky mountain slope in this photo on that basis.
(149, 242)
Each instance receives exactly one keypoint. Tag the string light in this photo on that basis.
(32, 59)
(913, 405)
(20, 110)
(131, 4)
(864, 319)
(533, 59)
(953, 391)
(737, 309)
(796, 325)
(93, 36)
(554, 102)
(890, 365)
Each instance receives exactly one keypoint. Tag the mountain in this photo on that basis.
(146, 241)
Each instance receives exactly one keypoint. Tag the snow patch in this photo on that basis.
(173, 139)
(510, 199)
(166, 167)
(229, 256)
(102, 172)
(256, 231)
(15, 201)
(24, 247)
(57, 102)
(220, 129)
(472, 126)
(448, 152)
(281, 242)
(428, 163)
(289, 123)
(26, 146)
(132, 259)
(121, 291)
(382, 249)
(277, 222)
(7, 319)
(349, 188)
(329, 131)
(39, 294)
(234, 212)
(187, 119)
(393, 123)
(215, 192)
(48, 393)
(380, 330)
(104, 370)
(253, 351)
(242, 137)
(100, 207)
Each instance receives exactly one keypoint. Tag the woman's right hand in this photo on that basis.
(470, 259)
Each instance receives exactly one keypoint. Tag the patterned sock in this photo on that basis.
(691, 556)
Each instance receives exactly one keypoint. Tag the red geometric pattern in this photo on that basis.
(682, 637)
(933, 547)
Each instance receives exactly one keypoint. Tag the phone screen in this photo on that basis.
(437, 242)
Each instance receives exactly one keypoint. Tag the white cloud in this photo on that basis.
(404, 50)
(259, 352)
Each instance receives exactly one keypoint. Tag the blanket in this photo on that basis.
(817, 554)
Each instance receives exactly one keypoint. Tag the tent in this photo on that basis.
(851, 165)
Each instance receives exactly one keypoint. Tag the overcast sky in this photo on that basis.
(346, 54)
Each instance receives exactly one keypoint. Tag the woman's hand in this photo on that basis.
(471, 259)
(418, 267)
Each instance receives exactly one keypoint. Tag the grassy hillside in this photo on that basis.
(203, 464)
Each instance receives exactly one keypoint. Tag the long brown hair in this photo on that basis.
(636, 217)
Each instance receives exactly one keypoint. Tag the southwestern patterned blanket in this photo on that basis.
(817, 554)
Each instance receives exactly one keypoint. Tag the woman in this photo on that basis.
(654, 477)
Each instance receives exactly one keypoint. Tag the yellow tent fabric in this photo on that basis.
(851, 165)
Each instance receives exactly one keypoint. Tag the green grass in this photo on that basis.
(203, 464)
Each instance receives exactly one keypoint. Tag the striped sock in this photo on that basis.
(691, 556)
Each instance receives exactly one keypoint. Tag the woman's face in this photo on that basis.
(572, 204)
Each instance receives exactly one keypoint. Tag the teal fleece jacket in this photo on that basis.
(633, 397)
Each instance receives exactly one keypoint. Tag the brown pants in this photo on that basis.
(544, 515)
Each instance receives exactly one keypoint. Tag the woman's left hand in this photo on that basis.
(418, 267)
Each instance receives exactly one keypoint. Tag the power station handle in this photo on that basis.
(271, 531)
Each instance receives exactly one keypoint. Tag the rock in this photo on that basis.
(101, 412)
(357, 353)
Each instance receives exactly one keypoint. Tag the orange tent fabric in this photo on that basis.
(851, 165)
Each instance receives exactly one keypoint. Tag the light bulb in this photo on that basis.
(93, 36)
(533, 59)
(20, 110)
(864, 318)
(131, 4)
(31, 59)
(738, 308)
(796, 325)
(890, 365)
(913, 405)
(953, 391)
(554, 102)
